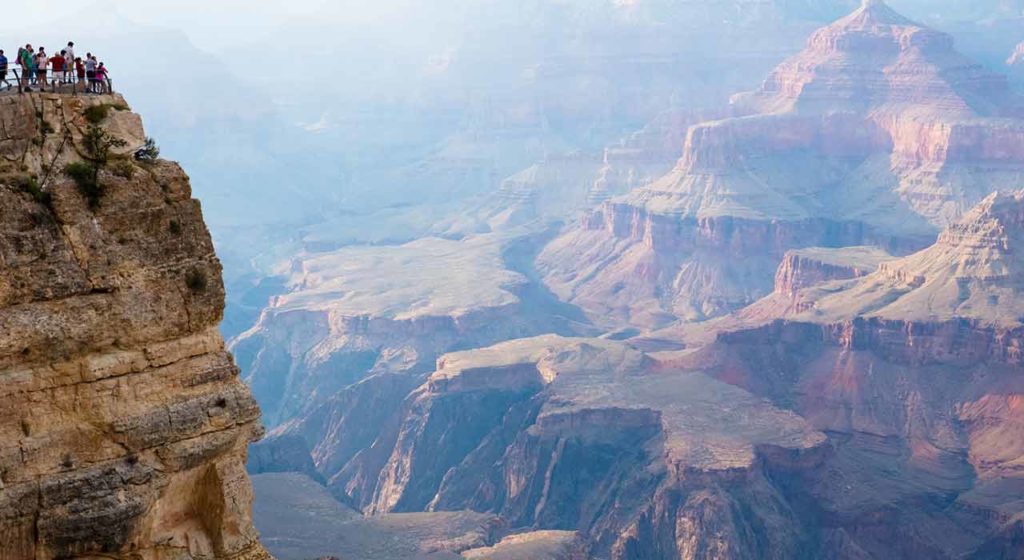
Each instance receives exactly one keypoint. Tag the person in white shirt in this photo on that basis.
(69, 62)
(42, 61)
(90, 71)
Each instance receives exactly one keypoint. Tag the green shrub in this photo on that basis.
(86, 176)
(175, 227)
(31, 186)
(96, 114)
(123, 169)
(97, 144)
(148, 153)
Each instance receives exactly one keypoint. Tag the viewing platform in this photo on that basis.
(67, 83)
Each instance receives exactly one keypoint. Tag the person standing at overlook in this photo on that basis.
(3, 69)
(80, 74)
(57, 64)
(101, 78)
(69, 67)
(41, 61)
(28, 70)
(90, 70)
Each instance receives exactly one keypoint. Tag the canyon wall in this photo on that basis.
(877, 430)
(123, 419)
(878, 133)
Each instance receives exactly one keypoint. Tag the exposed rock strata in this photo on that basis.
(588, 435)
(865, 425)
(123, 421)
(877, 133)
(356, 313)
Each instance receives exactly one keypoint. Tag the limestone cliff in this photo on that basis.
(123, 420)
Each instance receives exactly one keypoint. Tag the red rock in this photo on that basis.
(877, 133)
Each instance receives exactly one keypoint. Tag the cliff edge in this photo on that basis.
(123, 421)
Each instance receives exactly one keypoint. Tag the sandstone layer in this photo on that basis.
(877, 419)
(123, 420)
(585, 435)
(878, 133)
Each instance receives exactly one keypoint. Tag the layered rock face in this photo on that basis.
(381, 315)
(876, 420)
(123, 420)
(913, 371)
(592, 436)
(877, 133)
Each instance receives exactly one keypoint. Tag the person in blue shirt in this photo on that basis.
(3, 69)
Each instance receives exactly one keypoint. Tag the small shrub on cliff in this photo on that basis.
(97, 145)
(175, 227)
(196, 280)
(31, 186)
(149, 153)
(96, 114)
(123, 169)
(86, 176)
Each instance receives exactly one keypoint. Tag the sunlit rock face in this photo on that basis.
(123, 420)
(913, 371)
(878, 133)
(877, 418)
(354, 314)
(586, 435)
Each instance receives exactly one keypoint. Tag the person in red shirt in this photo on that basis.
(57, 65)
(80, 72)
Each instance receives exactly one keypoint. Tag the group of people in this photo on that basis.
(38, 69)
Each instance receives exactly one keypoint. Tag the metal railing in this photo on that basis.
(60, 81)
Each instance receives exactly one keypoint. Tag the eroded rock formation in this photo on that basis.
(380, 315)
(123, 420)
(877, 420)
(878, 133)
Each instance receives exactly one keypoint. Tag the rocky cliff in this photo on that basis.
(589, 435)
(877, 420)
(878, 133)
(123, 420)
(380, 315)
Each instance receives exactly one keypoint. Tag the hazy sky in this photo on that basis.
(211, 24)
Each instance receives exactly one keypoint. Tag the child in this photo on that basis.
(101, 78)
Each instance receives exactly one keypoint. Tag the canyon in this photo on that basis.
(860, 424)
(878, 133)
(586, 304)
(124, 422)
(800, 340)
